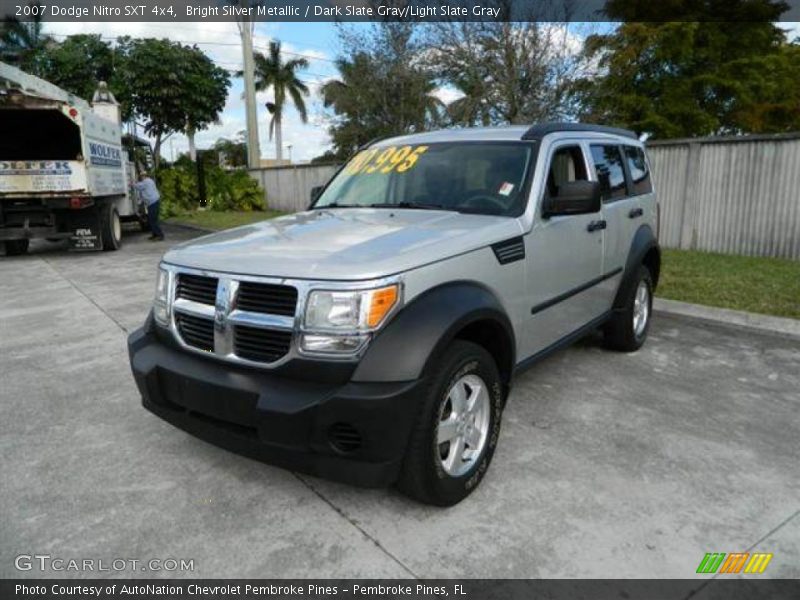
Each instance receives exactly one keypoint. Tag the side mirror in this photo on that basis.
(315, 192)
(574, 198)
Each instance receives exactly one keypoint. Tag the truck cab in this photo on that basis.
(374, 338)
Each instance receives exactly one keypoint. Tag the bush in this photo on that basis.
(225, 190)
(233, 190)
(178, 189)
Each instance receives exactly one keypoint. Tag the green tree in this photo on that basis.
(21, 42)
(78, 64)
(272, 72)
(383, 87)
(173, 87)
(676, 79)
(506, 72)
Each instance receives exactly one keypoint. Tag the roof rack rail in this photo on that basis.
(537, 132)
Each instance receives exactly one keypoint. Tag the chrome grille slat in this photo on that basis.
(194, 308)
(261, 320)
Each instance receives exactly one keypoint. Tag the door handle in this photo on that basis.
(635, 212)
(596, 225)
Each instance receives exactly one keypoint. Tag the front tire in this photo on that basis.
(111, 227)
(17, 247)
(627, 329)
(457, 428)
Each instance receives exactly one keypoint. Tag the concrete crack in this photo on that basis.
(352, 522)
(84, 294)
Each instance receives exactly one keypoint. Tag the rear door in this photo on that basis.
(609, 169)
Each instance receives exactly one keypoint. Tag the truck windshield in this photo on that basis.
(477, 177)
(37, 134)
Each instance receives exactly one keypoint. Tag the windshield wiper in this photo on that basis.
(338, 205)
(420, 205)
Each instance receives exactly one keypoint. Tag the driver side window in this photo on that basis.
(566, 165)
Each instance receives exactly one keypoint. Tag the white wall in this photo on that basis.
(289, 188)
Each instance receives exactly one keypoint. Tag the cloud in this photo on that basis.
(792, 30)
(448, 94)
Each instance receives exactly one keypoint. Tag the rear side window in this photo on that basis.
(610, 172)
(640, 174)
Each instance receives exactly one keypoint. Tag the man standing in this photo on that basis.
(148, 192)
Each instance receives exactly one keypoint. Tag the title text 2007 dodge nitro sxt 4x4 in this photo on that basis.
(374, 337)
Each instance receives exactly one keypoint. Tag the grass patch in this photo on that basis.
(762, 285)
(209, 219)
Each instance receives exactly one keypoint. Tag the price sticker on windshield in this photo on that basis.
(385, 160)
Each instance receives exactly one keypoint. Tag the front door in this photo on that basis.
(564, 260)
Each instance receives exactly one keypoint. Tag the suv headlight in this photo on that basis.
(161, 300)
(338, 321)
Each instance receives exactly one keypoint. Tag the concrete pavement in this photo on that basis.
(609, 465)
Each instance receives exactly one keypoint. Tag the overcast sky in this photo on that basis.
(317, 42)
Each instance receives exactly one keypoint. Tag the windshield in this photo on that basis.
(478, 177)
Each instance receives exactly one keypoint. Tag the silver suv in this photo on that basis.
(374, 337)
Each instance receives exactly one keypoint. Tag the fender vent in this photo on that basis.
(344, 437)
(510, 250)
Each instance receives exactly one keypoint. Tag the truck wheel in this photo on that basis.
(456, 430)
(111, 227)
(17, 247)
(627, 329)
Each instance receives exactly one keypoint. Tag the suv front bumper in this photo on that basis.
(351, 432)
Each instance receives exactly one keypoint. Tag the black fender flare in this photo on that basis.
(422, 330)
(644, 240)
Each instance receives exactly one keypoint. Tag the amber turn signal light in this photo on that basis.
(381, 302)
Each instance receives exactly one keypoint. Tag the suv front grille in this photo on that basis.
(197, 288)
(196, 331)
(267, 298)
(235, 320)
(260, 345)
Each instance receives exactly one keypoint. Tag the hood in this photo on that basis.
(343, 243)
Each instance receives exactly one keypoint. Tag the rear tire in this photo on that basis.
(17, 247)
(627, 329)
(457, 427)
(110, 227)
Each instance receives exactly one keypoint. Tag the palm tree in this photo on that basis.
(272, 72)
(21, 41)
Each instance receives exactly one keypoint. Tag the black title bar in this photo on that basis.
(419, 11)
(701, 588)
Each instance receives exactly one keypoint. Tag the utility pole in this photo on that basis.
(253, 150)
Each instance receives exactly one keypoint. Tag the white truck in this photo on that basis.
(63, 170)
